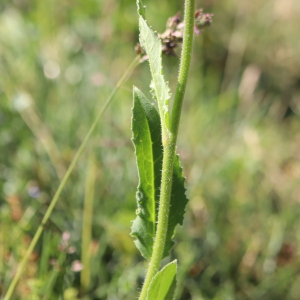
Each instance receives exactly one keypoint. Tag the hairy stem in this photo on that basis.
(184, 67)
(64, 181)
(169, 149)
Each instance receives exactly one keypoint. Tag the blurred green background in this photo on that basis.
(239, 143)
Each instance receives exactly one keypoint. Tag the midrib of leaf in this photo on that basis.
(148, 148)
(153, 189)
(153, 215)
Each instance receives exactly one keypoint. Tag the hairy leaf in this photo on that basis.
(152, 45)
(178, 203)
(148, 150)
(141, 8)
(146, 130)
(163, 284)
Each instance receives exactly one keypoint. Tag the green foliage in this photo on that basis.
(239, 152)
(171, 190)
(152, 45)
(146, 130)
(141, 8)
(148, 150)
(177, 204)
(163, 284)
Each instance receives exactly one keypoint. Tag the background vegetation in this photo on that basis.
(239, 143)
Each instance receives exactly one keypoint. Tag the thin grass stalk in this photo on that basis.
(86, 237)
(66, 177)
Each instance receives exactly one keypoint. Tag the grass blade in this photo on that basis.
(87, 224)
(54, 200)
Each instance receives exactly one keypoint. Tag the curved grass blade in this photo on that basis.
(147, 140)
(163, 284)
(66, 177)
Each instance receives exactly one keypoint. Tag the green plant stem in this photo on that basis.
(169, 149)
(86, 236)
(54, 200)
(185, 62)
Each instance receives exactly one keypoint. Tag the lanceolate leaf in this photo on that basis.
(146, 130)
(163, 284)
(148, 150)
(152, 45)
